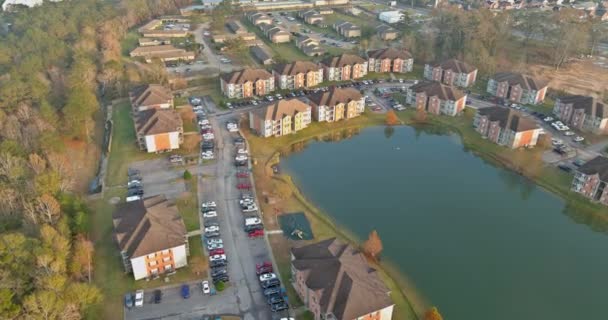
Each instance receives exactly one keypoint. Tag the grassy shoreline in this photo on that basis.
(409, 303)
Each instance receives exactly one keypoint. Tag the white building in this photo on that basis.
(151, 236)
(6, 6)
(390, 16)
(159, 130)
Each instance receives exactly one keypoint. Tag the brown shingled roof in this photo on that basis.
(335, 96)
(147, 226)
(282, 108)
(442, 91)
(508, 118)
(592, 106)
(597, 165)
(389, 53)
(349, 287)
(246, 75)
(456, 66)
(150, 94)
(342, 60)
(156, 121)
(525, 81)
(291, 69)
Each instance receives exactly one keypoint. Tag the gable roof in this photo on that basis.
(282, 108)
(147, 226)
(455, 65)
(346, 25)
(597, 165)
(389, 53)
(335, 96)
(385, 29)
(150, 94)
(590, 105)
(291, 69)
(261, 55)
(508, 118)
(342, 60)
(246, 75)
(523, 80)
(349, 287)
(440, 90)
(157, 121)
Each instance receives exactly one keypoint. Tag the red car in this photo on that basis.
(256, 233)
(216, 251)
(242, 174)
(264, 267)
(242, 186)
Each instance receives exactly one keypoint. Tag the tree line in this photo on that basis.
(58, 63)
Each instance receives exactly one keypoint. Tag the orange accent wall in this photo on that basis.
(372, 316)
(160, 263)
(526, 138)
(162, 141)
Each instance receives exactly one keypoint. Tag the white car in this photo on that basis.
(203, 122)
(251, 208)
(241, 158)
(218, 257)
(205, 285)
(209, 204)
(556, 142)
(139, 298)
(270, 98)
(578, 139)
(267, 276)
(208, 136)
(210, 214)
(216, 241)
(568, 133)
(213, 246)
(242, 151)
(548, 119)
(564, 128)
(212, 229)
(206, 33)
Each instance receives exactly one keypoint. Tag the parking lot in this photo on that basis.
(160, 177)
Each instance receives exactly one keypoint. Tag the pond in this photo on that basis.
(478, 241)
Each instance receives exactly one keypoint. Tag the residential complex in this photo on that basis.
(151, 236)
(344, 67)
(506, 127)
(275, 34)
(347, 29)
(246, 83)
(337, 104)
(591, 178)
(309, 46)
(158, 130)
(390, 60)
(583, 113)
(165, 28)
(257, 18)
(261, 55)
(311, 17)
(298, 74)
(150, 96)
(334, 281)
(436, 98)
(165, 52)
(280, 118)
(390, 16)
(517, 87)
(451, 72)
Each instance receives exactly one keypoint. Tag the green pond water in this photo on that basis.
(480, 242)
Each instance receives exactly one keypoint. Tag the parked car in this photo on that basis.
(568, 133)
(222, 278)
(271, 291)
(217, 263)
(209, 204)
(263, 267)
(213, 246)
(129, 300)
(212, 229)
(216, 251)
(205, 287)
(210, 214)
(279, 307)
(185, 291)
(256, 233)
(215, 241)
(267, 276)
(217, 257)
(243, 186)
(158, 296)
(274, 299)
(271, 283)
(211, 222)
(139, 298)
(578, 139)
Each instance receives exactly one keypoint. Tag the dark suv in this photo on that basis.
(270, 283)
(158, 296)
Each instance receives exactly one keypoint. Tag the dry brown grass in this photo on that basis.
(580, 77)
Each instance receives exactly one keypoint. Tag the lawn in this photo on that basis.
(187, 204)
(124, 149)
(129, 42)
(189, 119)
(207, 87)
(281, 52)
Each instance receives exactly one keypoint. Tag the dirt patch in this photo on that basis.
(114, 200)
(83, 161)
(580, 77)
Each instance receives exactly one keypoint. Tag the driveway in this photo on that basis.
(159, 177)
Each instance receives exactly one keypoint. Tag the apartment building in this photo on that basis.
(275, 34)
(164, 53)
(344, 67)
(506, 127)
(158, 130)
(150, 96)
(452, 72)
(280, 118)
(337, 104)
(390, 60)
(257, 18)
(309, 46)
(436, 98)
(151, 236)
(347, 29)
(311, 17)
(386, 33)
(298, 74)
(591, 178)
(584, 113)
(246, 83)
(517, 87)
(334, 281)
